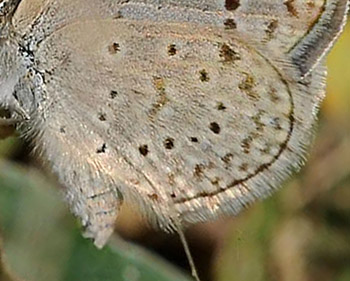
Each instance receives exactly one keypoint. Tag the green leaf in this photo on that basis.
(42, 241)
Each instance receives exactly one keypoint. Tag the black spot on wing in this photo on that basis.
(232, 5)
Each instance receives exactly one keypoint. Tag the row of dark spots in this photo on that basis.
(199, 169)
(103, 117)
(114, 48)
(231, 5)
(103, 147)
(230, 24)
(226, 53)
(169, 143)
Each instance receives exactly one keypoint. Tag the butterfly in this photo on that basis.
(191, 109)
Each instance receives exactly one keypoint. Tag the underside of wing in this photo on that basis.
(198, 124)
(182, 114)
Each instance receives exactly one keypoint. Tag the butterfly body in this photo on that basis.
(191, 109)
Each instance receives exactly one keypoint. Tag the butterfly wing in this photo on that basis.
(170, 106)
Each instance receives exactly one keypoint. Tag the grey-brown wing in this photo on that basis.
(174, 116)
(184, 116)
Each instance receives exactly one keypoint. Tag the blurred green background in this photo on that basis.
(301, 233)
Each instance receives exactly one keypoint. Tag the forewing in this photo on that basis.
(277, 24)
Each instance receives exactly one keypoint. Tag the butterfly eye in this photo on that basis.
(7, 7)
(3, 5)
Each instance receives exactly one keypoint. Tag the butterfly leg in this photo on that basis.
(7, 121)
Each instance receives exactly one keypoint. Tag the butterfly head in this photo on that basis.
(7, 8)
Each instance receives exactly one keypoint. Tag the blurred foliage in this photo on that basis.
(301, 233)
(41, 241)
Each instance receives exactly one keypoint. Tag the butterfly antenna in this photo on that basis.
(184, 243)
